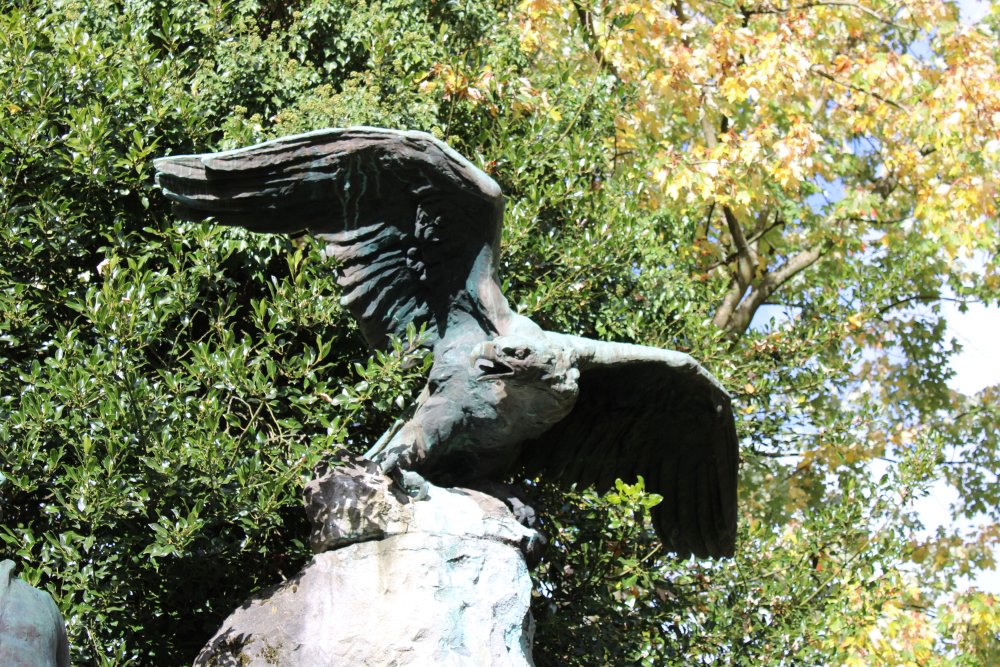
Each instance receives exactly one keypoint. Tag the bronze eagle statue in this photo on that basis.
(414, 230)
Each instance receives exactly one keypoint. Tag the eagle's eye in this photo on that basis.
(519, 353)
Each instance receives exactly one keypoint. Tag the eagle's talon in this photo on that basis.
(533, 546)
(413, 484)
(524, 513)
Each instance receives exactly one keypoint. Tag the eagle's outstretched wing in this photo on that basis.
(655, 413)
(414, 226)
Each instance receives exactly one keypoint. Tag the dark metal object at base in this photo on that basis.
(32, 631)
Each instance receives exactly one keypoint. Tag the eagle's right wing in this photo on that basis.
(655, 413)
(414, 226)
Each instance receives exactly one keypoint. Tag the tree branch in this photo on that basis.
(678, 8)
(853, 5)
(730, 301)
(794, 265)
(738, 320)
(770, 9)
(587, 21)
(922, 297)
(817, 69)
(747, 264)
(751, 240)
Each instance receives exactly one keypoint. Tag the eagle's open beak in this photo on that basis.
(484, 360)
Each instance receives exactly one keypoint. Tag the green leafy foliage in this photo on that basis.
(167, 388)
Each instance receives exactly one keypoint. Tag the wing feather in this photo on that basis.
(355, 274)
(658, 414)
(705, 508)
(376, 196)
(687, 510)
(666, 518)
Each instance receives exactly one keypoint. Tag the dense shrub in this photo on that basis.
(167, 388)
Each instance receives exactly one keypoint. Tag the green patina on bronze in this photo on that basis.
(415, 231)
(32, 632)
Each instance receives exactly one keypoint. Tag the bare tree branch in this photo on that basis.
(794, 265)
(730, 302)
(747, 264)
(757, 236)
(738, 320)
(765, 8)
(922, 297)
(853, 5)
(817, 69)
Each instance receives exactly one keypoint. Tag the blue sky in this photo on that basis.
(976, 367)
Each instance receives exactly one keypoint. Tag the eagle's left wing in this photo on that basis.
(655, 413)
(413, 226)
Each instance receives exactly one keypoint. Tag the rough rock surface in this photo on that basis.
(396, 581)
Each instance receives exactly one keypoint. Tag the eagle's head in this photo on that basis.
(533, 382)
(529, 362)
(485, 399)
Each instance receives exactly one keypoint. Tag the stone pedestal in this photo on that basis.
(395, 581)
